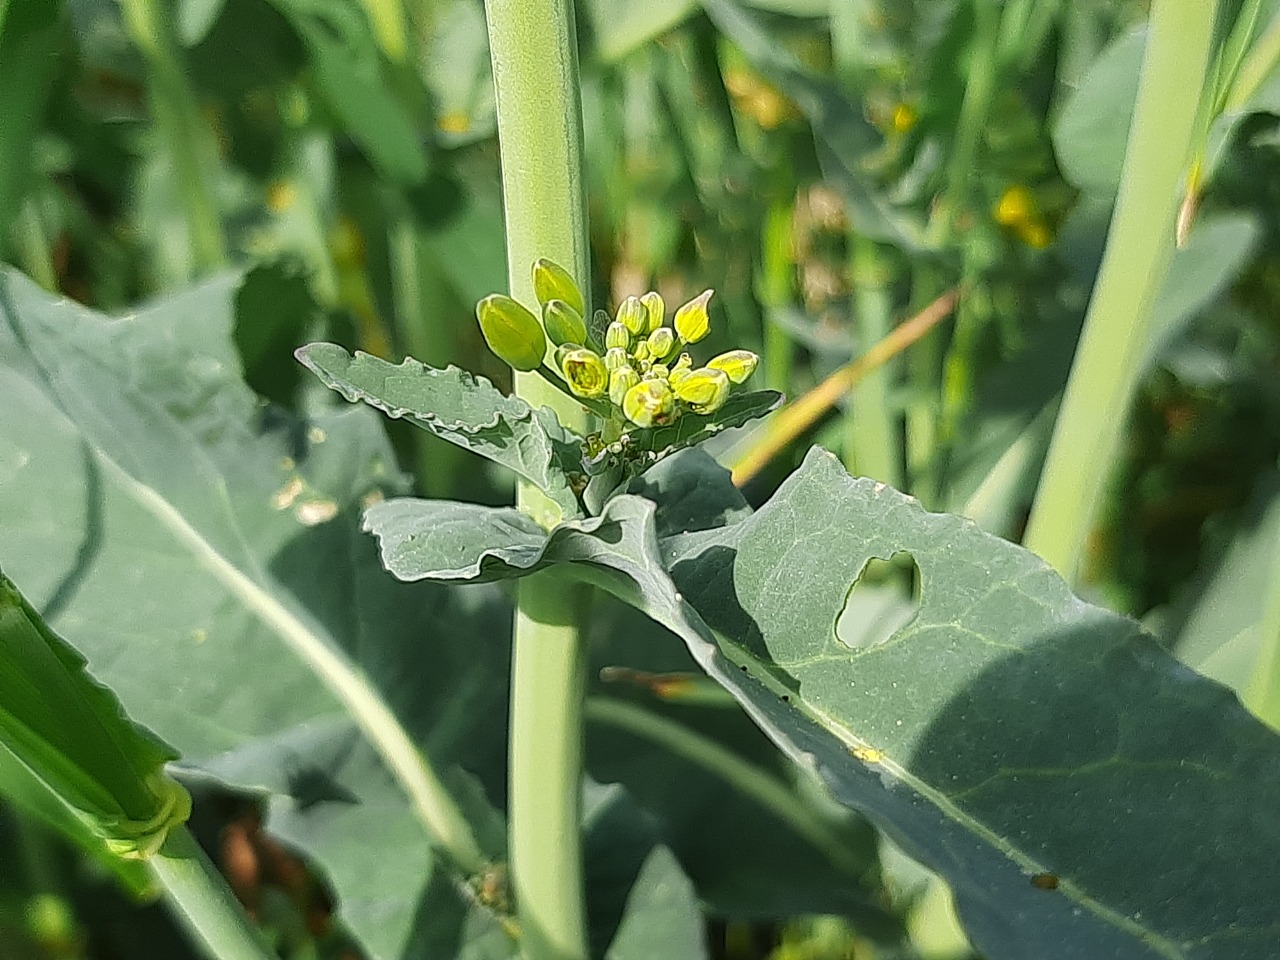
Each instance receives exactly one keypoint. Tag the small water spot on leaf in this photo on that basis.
(317, 435)
(881, 601)
(285, 496)
(315, 512)
(200, 635)
(1045, 881)
(867, 754)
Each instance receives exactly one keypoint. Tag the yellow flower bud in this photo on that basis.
(616, 335)
(563, 323)
(738, 364)
(655, 309)
(657, 371)
(704, 389)
(661, 342)
(512, 331)
(621, 379)
(649, 403)
(633, 315)
(683, 366)
(641, 352)
(552, 282)
(585, 373)
(615, 357)
(692, 322)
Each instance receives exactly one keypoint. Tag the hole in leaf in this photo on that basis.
(882, 600)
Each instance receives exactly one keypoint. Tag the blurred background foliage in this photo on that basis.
(830, 168)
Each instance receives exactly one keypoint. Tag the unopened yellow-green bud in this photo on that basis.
(655, 309)
(616, 335)
(658, 370)
(552, 282)
(649, 403)
(738, 364)
(633, 315)
(615, 357)
(585, 373)
(704, 389)
(641, 352)
(512, 331)
(563, 323)
(661, 342)
(621, 380)
(680, 369)
(692, 322)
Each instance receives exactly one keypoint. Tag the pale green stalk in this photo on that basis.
(33, 246)
(774, 289)
(177, 115)
(535, 72)
(873, 441)
(1134, 264)
(199, 895)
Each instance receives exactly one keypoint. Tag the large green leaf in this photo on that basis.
(462, 409)
(149, 516)
(1084, 794)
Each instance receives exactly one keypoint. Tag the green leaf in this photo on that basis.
(274, 309)
(662, 917)
(195, 18)
(619, 27)
(30, 38)
(1093, 128)
(349, 72)
(463, 409)
(68, 730)
(1069, 779)
(196, 558)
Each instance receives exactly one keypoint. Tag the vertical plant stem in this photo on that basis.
(979, 89)
(200, 896)
(777, 260)
(1134, 264)
(178, 117)
(33, 245)
(535, 72)
(873, 441)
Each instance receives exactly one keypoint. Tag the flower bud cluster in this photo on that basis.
(643, 372)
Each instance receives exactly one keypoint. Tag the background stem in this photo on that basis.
(201, 898)
(535, 72)
(1139, 246)
(177, 115)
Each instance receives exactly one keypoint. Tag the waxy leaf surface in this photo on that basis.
(1084, 793)
(461, 408)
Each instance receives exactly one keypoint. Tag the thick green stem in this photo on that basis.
(1139, 246)
(200, 896)
(178, 117)
(535, 72)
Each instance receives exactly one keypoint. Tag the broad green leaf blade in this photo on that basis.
(148, 515)
(1084, 794)
(463, 409)
(69, 730)
(662, 917)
